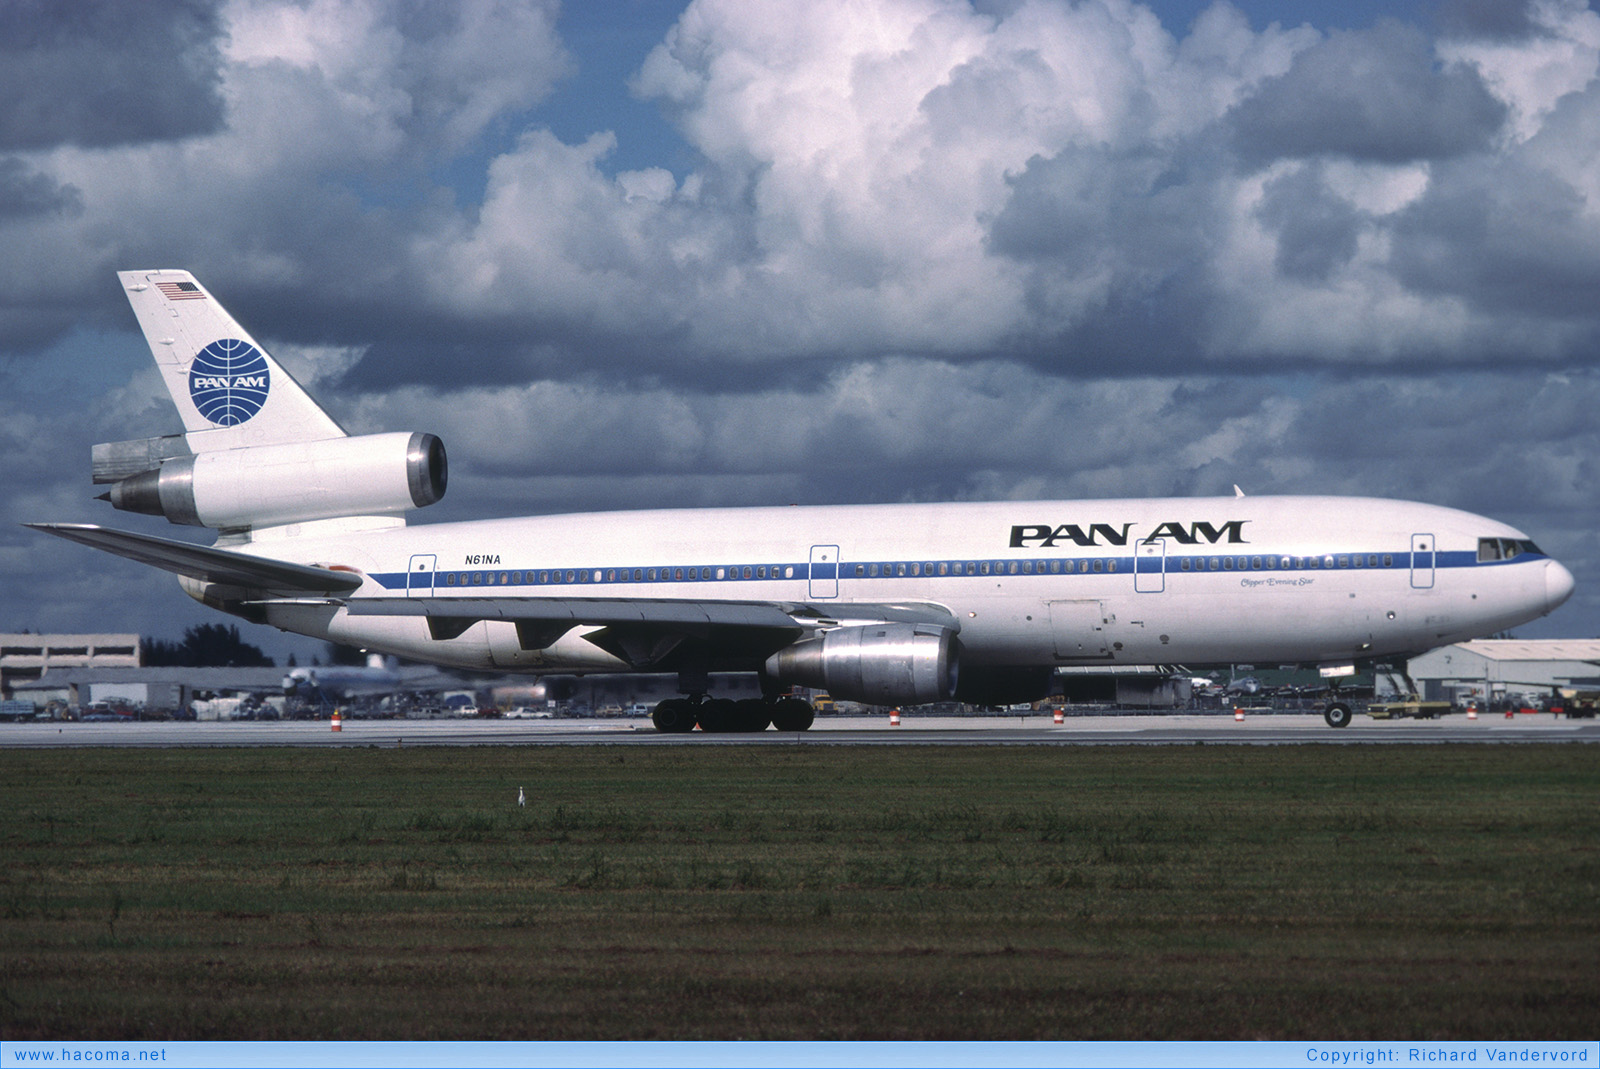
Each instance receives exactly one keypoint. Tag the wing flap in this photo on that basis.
(206, 563)
(644, 631)
(593, 611)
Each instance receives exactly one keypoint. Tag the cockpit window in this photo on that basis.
(1491, 549)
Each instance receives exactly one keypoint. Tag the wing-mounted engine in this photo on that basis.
(879, 664)
(272, 485)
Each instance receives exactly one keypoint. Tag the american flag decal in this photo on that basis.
(181, 291)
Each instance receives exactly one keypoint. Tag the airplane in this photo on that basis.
(379, 675)
(903, 604)
(376, 676)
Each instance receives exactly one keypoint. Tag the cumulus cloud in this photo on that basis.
(1378, 95)
(910, 249)
(106, 73)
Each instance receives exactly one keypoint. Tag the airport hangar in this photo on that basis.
(1499, 667)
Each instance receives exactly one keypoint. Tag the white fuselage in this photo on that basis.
(1125, 582)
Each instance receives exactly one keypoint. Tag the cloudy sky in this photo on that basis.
(646, 254)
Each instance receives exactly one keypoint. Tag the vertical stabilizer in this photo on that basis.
(230, 392)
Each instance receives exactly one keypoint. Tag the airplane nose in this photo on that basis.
(1558, 584)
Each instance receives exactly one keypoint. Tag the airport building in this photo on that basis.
(27, 660)
(1501, 667)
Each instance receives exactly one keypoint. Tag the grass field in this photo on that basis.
(811, 892)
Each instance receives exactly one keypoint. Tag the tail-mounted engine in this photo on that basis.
(272, 485)
(879, 664)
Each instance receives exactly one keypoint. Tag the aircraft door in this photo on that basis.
(1423, 548)
(419, 579)
(824, 571)
(1150, 567)
(1079, 629)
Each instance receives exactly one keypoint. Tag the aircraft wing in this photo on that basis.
(642, 631)
(207, 564)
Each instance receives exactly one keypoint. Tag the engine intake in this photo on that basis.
(271, 485)
(879, 664)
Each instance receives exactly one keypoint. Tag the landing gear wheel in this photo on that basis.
(675, 715)
(1337, 715)
(792, 714)
(717, 714)
(752, 714)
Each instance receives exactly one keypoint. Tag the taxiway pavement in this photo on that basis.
(913, 730)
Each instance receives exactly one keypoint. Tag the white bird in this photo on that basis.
(522, 799)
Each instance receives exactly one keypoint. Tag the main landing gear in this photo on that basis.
(723, 714)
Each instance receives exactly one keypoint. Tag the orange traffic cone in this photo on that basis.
(894, 718)
(1238, 714)
(335, 723)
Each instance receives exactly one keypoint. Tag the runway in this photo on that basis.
(1141, 730)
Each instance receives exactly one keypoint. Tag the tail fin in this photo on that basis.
(228, 389)
(256, 451)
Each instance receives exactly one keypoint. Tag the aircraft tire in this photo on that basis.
(792, 714)
(1337, 715)
(675, 716)
(718, 714)
(752, 714)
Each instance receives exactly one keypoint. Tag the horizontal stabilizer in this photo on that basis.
(207, 564)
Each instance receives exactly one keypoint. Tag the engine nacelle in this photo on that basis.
(272, 485)
(879, 664)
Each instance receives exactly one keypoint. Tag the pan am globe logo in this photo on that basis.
(228, 381)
